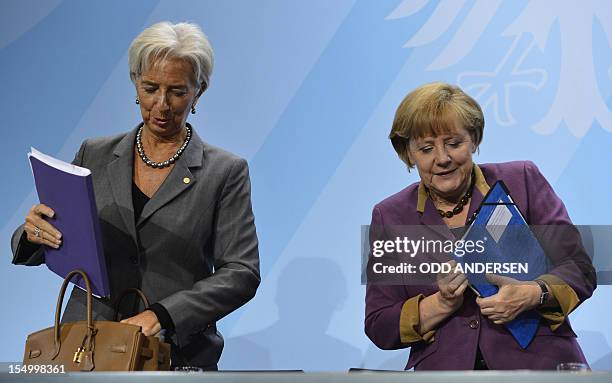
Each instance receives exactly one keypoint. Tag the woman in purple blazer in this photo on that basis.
(437, 128)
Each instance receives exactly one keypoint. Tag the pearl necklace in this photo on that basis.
(168, 162)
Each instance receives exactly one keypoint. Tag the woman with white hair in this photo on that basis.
(175, 212)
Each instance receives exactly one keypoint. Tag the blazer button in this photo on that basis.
(134, 259)
(474, 324)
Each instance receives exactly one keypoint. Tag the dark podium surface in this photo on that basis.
(311, 377)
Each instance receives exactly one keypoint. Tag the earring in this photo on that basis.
(192, 109)
(137, 101)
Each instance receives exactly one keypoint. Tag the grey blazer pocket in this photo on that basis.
(204, 349)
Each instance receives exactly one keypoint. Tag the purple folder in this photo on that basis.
(68, 190)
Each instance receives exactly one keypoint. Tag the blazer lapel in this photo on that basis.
(431, 218)
(475, 202)
(481, 188)
(120, 178)
(179, 180)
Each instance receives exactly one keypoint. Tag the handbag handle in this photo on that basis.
(131, 290)
(91, 331)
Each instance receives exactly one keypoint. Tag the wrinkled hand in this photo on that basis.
(513, 298)
(147, 320)
(452, 286)
(36, 224)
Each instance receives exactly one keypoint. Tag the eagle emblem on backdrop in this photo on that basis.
(572, 29)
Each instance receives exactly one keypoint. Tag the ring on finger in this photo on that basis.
(37, 232)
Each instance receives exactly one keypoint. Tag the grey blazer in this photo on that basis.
(194, 249)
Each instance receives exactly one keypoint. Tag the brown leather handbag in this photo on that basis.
(94, 345)
(160, 359)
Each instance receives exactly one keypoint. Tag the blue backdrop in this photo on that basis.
(306, 91)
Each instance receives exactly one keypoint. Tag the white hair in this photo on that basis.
(166, 40)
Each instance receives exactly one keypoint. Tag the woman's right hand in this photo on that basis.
(38, 230)
(452, 286)
(435, 308)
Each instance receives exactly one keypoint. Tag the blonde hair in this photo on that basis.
(433, 109)
(166, 40)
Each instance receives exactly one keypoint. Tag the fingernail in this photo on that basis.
(58, 236)
(52, 214)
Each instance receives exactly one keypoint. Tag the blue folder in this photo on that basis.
(507, 238)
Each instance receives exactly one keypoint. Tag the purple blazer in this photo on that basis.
(457, 338)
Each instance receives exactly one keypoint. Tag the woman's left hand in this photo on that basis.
(513, 298)
(147, 320)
